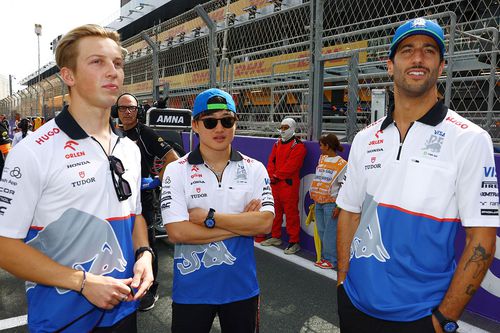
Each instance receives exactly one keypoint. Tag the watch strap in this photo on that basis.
(443, 320)
(211, 213)
(210, 217)
(142, 249)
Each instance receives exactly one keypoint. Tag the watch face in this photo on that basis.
(210, 223)
(450, 327)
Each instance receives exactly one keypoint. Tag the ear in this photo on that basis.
(194, 125)
(441, 67)
(68, 76)
(390, 67)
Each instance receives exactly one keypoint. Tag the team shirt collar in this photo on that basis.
(432, 118)
(68, 125)
(196, 158)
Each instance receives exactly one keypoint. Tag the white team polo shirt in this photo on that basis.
(412, 197)
(57, 194)
(219, 272)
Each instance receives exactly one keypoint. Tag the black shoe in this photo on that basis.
(149, 300)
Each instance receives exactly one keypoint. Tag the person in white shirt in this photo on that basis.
(70, 218)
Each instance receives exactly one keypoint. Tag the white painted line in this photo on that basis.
(463, 327)
(331, 274)
(13, 322)
(318, 325)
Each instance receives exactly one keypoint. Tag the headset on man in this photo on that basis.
(140, 109)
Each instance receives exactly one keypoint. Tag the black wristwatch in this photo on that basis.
(210, 221)
(144, 249)
(448, 325)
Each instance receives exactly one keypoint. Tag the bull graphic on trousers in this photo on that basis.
(77, 240)
(212, 254)
(367, 240)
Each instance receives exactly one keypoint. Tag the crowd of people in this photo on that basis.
(88, 192)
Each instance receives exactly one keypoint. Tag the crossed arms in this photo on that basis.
(250, 222)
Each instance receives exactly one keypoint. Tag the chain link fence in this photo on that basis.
(317, 61)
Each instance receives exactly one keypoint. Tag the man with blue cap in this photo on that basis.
(413, 177)
(217, 200)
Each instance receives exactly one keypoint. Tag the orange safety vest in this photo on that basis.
(327, 172)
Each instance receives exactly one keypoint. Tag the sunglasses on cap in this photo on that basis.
(122, 186)
(211, 123)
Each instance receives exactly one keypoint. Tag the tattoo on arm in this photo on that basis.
(470, 290)
(479, 260)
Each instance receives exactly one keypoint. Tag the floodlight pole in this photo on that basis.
(38, 32)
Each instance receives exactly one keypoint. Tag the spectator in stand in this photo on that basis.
(24, 129)
(324, 190)
(283, 167)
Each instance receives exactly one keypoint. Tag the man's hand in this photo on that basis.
(198, 215)
(106, 292)
(341, 277)
(336, 212)
(143, 274)
(253, 206)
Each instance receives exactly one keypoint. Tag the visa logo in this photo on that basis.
(489, 172)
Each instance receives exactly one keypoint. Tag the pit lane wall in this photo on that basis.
(486, 301)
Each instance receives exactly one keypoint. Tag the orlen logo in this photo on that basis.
(376, 142)
(74, 155)
(457, 122)
(69, 145)
(47, 135)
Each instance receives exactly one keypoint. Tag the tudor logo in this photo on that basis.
(373, 159)
(198, 189)
(69, 145)
(83, 182)
(82, 174)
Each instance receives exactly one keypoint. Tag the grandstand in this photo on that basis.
(316, 60)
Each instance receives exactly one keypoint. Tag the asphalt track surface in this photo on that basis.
(295, 297)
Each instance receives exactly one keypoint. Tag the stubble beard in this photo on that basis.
(413, 89)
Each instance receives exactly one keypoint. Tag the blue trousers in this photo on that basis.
(327, 230)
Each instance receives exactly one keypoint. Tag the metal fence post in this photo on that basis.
(317, 74)
(212, 61)
(492, 82)
(451, 51)
(53, 93)
(353, 94)
(155, 65)
(62, 87)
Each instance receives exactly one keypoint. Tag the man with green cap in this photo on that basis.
(213, 201)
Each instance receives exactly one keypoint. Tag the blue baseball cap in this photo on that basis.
(201, 103)
(418, 26)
